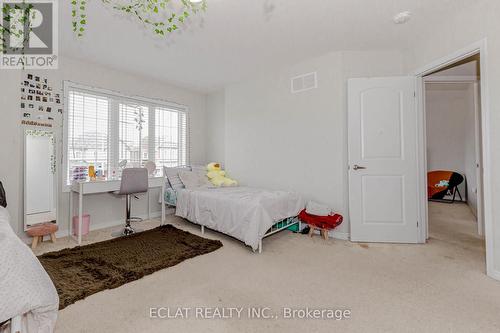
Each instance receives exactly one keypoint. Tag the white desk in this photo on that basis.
(105, 186)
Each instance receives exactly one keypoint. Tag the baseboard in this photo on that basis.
(340, 235)
(494, 274)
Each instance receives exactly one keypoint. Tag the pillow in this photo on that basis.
(199, 168)
(193, 180)
(314, 208)
(173, 176)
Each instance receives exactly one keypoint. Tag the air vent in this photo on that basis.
(304, 82)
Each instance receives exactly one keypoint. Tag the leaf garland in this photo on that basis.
(15, 25)
(157, 15)
(79, 17)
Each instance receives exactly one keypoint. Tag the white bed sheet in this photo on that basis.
(25, 287)
(242, 212)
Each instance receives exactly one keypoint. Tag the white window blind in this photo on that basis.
(170, 137)
(87, 131)
(105, 128)
(133, 134)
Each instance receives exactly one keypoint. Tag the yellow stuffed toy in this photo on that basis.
(218, 176)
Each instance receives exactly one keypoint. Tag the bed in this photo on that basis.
(28, 298)
(245, 213)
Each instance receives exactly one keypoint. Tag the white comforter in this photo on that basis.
(242, 212)
(25, 287)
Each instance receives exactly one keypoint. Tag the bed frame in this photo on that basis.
(277, 227)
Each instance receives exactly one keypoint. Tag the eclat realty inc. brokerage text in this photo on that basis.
(216, 313)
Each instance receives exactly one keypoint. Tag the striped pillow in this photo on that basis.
(173, 176)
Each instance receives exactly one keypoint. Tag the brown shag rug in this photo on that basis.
(85, 270)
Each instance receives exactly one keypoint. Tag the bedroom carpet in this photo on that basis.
(85, 270)
(437, 287)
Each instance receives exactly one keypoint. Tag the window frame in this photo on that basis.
(113, 123)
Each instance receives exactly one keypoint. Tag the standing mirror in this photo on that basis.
(40, 181)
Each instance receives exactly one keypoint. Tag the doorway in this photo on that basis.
(387, 147)
(481, 193)
(454, 154)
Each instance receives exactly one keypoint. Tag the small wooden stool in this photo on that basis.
(40, 230)
(323, 232)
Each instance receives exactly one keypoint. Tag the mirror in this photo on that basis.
(40, 181)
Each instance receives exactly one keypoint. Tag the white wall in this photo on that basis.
(11, 167)
(278, 140)
(446, 108)
(216, 127)
(451, 132)
(103, 208)
(464, 25)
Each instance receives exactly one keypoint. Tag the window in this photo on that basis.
(133, 133)
(105, 129)
(170, 147)
(87, 133)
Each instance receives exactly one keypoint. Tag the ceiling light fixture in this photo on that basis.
(402, 17)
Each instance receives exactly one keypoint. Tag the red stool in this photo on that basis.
(40, 230)
(323, 223)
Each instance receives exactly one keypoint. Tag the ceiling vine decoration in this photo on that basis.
(162, 17)
(12, 25)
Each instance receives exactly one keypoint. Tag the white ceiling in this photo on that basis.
(236, 38)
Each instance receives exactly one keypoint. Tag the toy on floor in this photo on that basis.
(323, 223)
(218, 177)
(442, 183)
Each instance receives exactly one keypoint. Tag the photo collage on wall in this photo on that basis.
(40, 104)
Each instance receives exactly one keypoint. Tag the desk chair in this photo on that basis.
(134, 181)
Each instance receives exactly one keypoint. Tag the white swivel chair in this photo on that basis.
(134, 181)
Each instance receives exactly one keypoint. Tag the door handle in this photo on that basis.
(357, 167)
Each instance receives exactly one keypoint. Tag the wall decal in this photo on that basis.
(43, 101)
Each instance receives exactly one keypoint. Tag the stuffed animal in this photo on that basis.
(218, 176)
(443, 183)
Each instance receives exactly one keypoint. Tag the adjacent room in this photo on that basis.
(249, 166)
(454, 154)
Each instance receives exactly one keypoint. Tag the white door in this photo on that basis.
(383, 189)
